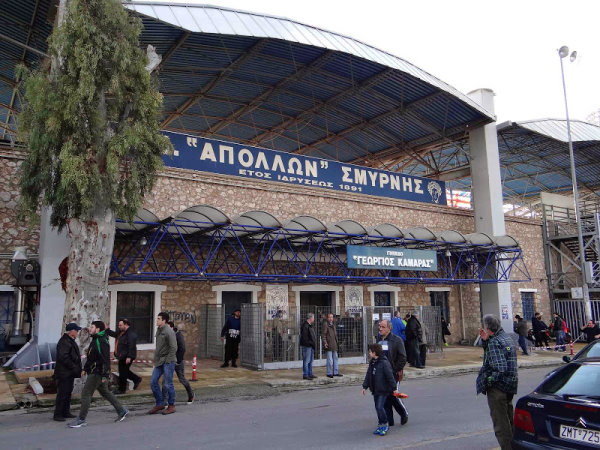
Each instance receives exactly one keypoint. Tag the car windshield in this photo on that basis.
(591, 351)
(574, 380)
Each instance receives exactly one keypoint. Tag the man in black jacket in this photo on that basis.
(68, 367)
(308, 343)
(414, 339)
(97, 367)
(179, 365)
(393, 349)
(125, 352)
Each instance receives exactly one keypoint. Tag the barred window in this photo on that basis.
(138, 308)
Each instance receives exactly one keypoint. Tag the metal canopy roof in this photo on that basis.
(276, 83)
(272, 82)
(534, 158)
(256, 247)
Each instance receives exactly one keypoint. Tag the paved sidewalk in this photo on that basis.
(214, 382)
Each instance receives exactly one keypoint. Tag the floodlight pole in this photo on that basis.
(562, 53)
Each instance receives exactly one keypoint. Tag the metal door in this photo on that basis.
(252, 342)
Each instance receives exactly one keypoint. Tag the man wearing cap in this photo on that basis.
(97, 367)
(68, 367)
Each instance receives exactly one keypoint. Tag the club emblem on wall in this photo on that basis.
(435, 190)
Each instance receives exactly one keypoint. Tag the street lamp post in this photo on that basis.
(563, 52)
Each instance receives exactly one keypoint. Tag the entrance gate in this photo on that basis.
(252, 342)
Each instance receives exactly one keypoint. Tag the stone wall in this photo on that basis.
(178, 189)
(14, 232)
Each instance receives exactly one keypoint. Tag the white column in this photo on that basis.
(54, 247)
(487, 203)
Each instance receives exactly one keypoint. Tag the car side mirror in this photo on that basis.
(566, 359)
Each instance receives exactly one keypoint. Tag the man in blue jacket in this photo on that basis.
(398, 326)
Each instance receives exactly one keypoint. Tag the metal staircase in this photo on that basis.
(561, 247)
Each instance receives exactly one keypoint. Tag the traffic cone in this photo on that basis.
(194, 369)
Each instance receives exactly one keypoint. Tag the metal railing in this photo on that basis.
(573, 312)
(272, 342)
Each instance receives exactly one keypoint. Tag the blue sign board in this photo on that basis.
(391, 258)
(227, 158)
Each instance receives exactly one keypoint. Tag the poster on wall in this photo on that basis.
(354, 299)
(277, 300)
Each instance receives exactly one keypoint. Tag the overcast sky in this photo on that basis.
(509, 46)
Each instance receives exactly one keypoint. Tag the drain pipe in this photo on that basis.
(462, 313)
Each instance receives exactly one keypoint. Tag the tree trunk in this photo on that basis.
(89, 266)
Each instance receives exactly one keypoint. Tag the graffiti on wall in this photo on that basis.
(182, 316)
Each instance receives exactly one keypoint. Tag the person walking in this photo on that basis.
(330, 344)
(164, 365)
(379, 379)
(67, 368)
(125, 351)
(445, 331)
(394, 351)
(520, 327)
(398, 326)
(230, 333)
(414, 338)
(539, 331)
(308, 343)
(558, 325)
(179, 365)
(97, 367)
(498, 377)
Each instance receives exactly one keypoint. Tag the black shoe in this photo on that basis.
(312, 377)
(225, 365)
(329, 376)
(118, 392)
(136, 383)
(338, 375)
(403, 419)
(233, 365)
(59, 418)
(305, 377)
(69, 416)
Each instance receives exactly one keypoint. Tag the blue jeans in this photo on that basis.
(523, 344)
(165, 370)
(379, 400)
(560, 340)
(332, 363)
(308, 356)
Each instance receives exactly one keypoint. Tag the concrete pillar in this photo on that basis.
(487, 201)
(54, 247)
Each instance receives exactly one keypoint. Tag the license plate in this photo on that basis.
(580, 435)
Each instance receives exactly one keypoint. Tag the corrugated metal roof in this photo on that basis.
(219, 20)
(557, 129)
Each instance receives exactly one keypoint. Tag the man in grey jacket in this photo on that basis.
(164, 364)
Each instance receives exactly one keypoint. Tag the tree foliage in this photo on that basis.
(91, 119)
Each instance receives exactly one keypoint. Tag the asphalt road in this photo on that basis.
(444, 413)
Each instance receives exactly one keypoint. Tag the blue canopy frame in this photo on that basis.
(183, 249)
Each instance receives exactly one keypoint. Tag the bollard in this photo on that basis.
(571, 345)
(194, 369)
